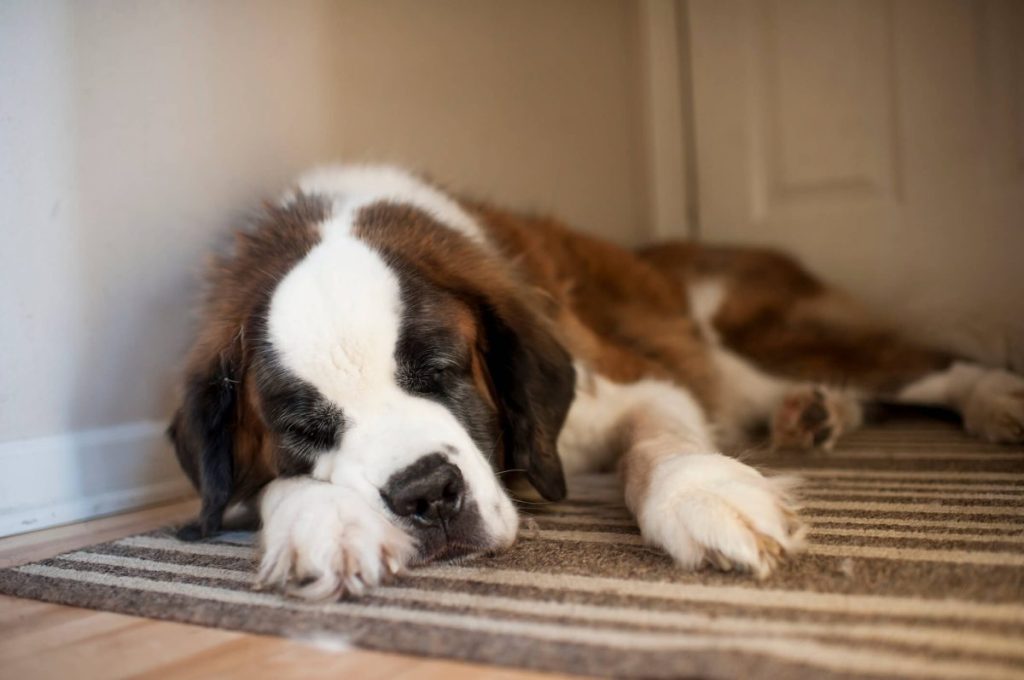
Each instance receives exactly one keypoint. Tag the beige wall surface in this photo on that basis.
(133, 133)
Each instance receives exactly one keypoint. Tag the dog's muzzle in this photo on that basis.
(429, 493)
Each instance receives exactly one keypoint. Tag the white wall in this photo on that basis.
(133, 133)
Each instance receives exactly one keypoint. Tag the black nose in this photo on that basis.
(429, 492)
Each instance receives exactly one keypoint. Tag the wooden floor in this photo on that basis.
(40, 640)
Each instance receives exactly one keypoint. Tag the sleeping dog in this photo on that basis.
(374, 353)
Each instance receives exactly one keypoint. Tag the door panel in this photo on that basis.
(880, 141)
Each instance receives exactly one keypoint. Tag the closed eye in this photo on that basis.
(305, 424)
(433, 379)
(430, 381)
(313, 434)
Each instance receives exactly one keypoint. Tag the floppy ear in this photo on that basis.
(203, 433)
(534, 383)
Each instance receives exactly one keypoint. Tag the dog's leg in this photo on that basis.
(768, 309)
(880, 365)
(699, 505)
(991, 401)
(800, 415)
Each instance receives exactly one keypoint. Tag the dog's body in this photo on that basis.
(374, 351)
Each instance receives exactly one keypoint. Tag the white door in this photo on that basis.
(882, 142)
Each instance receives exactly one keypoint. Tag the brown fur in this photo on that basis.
(626, 314)
(624, 318)
(790, 324)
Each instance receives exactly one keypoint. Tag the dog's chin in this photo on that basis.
(460, 553)
(451, 554)
(456, 550)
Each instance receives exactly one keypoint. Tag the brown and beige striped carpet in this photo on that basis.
(915, 568)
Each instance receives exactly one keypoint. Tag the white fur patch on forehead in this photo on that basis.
(351, 187)
(334, 319)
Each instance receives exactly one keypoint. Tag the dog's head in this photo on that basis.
(374, 346)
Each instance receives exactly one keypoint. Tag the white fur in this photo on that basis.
(700, 505)
(746, 395)
(950, 387)
(335, 318)
(334, 321)
(589, 440)
(326, 536)
(706, 507)
(706, 298)
(991, 401)
(351, 187)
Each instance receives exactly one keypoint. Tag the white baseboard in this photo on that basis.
(47, 481)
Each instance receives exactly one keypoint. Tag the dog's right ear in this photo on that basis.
(534, 385)
(203, 434)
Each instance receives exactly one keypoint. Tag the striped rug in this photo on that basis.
(914, 568)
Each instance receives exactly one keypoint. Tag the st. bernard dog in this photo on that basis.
(374, 354)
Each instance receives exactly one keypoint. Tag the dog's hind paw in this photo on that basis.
(994, 409)
(814, 417)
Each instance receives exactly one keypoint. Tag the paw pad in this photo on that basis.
(807, 419)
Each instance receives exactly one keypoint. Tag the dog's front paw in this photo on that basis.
(323, 541)
(710, 509)
(994, 408)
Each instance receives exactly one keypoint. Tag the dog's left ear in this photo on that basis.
(534, 383)
(203, 434)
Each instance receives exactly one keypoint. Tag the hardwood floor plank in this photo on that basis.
(54, 626)
(122, 652)
(258, 656)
